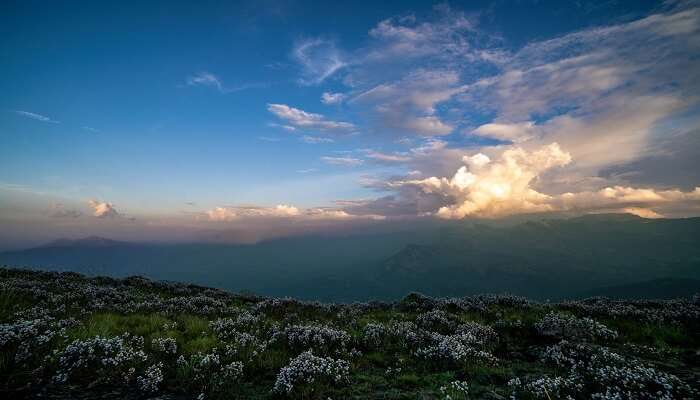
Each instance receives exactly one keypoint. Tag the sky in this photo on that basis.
(168, 120)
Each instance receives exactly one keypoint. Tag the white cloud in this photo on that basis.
(486, 188)
(451, 33)
(229, 214)
(300, 119)
(387, 158)
(206, 79)
(642, 212)
(428, 126)
(344, 161)
(233, 213)
(332, 98)
(318, 58)
(89, 129)
(35, 116)
(103, 209)
(513, 132)
(409, 104)
(315, 139)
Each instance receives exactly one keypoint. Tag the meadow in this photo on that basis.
(65, 335)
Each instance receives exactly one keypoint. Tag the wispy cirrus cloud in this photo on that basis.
(35, 116)
(206, 79)
(387, 158)
(318, 58)
(210, 80)
(343, 161)
(410, 104)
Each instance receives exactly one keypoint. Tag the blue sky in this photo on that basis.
(173, 111)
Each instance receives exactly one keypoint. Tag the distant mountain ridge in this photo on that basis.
(89, 241)
(543, 259)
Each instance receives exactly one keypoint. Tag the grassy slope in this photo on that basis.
(516, 347)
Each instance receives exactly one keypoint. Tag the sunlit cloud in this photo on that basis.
(103, 209)
(483, 187)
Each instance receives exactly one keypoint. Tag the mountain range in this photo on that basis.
(606, 254)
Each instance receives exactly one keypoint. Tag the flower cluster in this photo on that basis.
(455, 390)
(165, 345)
(101, 358)
(307, 369)
(565, 326)
(372, 334)
(436, 320)
(600, 373)
(455, 349)
(655, 311)
(321, 338)
(209, 372)
(26, 336)
(152, 378)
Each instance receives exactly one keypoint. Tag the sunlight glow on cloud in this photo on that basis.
(103, 209)
(486, 188)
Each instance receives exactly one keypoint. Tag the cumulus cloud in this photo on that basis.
(344, 161)
(232, 213)
(332, 98)
(318, 58)
(484, 187)
(35, 116)
(627, 199)
(103, 209)
(300, 119)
